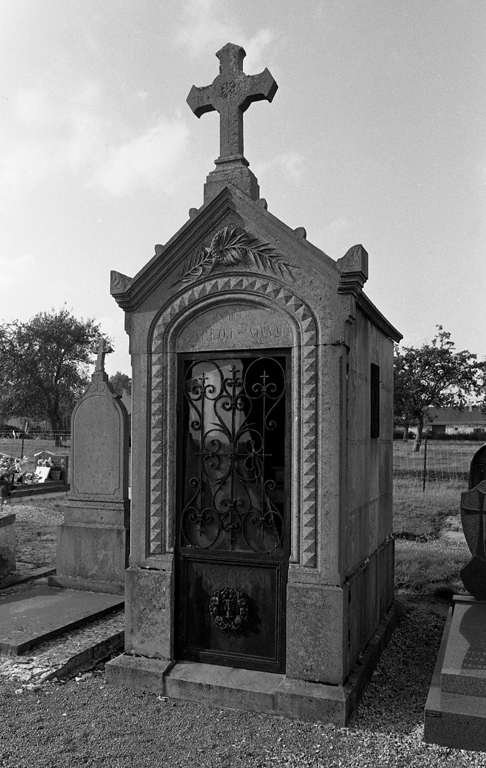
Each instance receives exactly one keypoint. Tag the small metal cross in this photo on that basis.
(230, 94)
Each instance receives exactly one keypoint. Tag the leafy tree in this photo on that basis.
(435, 375)
(44, 365)
(121, 382)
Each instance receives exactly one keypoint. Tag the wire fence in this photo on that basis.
(21, 446)
(437, 462)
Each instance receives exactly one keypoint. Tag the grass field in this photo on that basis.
(430, 549)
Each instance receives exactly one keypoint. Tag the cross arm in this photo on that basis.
(200, 100)
(263, 86)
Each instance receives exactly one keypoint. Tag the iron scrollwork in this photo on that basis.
(231, 501)
(229, 609)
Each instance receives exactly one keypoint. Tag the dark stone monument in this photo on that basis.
(261, 565)
(455, 712)
(92, 548)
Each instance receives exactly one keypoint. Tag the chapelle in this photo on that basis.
(261, 556)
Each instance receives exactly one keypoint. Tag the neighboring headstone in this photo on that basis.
(261, 566)
(478, 467)
(59, 462)
(7, 544)
(92, 551)
(455, 712)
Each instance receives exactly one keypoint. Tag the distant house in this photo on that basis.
(452, 421)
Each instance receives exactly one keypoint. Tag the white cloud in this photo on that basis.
(144, 160)
(19, 272)
(290, 163)
(332, 238)
(208, 26)
(255, 47)
(119, 359)
(204, 27)
(51, 135)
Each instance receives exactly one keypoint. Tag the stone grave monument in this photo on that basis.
(7, 543)
(261, 565)
(455, 712)
(92, 546)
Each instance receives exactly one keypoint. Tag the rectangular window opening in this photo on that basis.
(375, 401)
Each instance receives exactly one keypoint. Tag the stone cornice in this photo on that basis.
(375, 316)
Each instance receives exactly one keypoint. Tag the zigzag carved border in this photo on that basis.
(158, 450)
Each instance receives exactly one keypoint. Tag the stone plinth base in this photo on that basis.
(231, 171)
(250, 690)
(92, 548)
(87, 585)
(7, 544)
(455, 712)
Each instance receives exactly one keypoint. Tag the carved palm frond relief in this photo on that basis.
(231, 246)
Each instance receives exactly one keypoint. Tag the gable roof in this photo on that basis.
(450, 416)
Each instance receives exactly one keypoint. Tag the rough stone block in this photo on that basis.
(92, 552)
(315, 633)
(7, 544)
(138, 673)
(148, 613)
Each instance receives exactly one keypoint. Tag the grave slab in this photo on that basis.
(25, 572)
(455, 711)
(31, 617)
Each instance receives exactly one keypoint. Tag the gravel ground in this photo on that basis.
(84, 722)
(36, 529)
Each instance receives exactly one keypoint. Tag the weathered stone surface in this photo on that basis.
(93, 555)
(233, 285)
(473, 511)
(315, 647)
(251, 690)
(455, 712)
(148, 613)
(236, 327)
(464, 667)
(93, 541)
(31, 617)
(7, 544)
(231, 93)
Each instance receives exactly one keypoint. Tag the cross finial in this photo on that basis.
(230, 94)
(103, 349)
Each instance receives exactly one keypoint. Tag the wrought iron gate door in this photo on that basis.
(233, 509)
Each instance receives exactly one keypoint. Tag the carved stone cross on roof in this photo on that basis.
(230, 94)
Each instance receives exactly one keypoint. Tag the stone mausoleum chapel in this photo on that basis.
(261, 554)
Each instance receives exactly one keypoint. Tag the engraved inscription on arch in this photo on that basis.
(238, 327)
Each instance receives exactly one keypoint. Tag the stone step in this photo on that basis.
(25, 572)
(32, 616)
(74, 652)
(54, 488)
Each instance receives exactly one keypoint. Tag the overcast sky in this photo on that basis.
(377, 135)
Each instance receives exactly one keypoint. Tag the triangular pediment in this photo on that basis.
(230, 233)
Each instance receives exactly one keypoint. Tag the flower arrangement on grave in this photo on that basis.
(14, 467)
